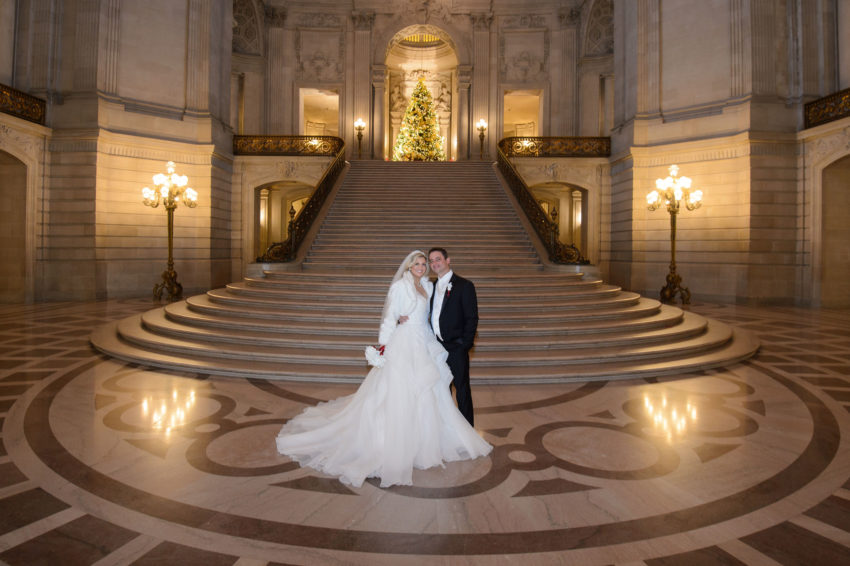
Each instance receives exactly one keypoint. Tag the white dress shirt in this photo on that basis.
(439, 293)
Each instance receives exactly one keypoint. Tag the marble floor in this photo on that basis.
(103, 462)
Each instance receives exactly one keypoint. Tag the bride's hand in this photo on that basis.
(402, 319)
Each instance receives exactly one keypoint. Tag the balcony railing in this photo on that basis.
(555, 147)
(287, 145)
(21, 104)
(826, 109)
(287, 250)
(542, 223)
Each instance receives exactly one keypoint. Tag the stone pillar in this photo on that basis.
(464, 120)
(842, 22)
(740, 49)
(278, 91)
(481, 78)
(649, 59)
(86, 45)
(362, 22)
(108, 40)
(379, 111)
(198, 58)
(564, 110)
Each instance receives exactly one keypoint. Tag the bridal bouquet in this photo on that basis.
(375, 356)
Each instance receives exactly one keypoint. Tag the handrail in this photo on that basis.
(287, 250)
(527, 146)
(22, 105)
(542, 223)
(827, 109)
(287, 145)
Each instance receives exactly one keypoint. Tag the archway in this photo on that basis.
(835, 235)
(276, 204)
(13, 203)
(566, 205)
(422, 51)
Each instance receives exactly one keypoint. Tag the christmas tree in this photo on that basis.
(419, 138)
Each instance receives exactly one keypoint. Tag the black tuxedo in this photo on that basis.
(458, 323)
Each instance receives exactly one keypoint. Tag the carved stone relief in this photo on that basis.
(523, 55)
(599, 38)
(426, 10)
(320, 54)
(246, 28)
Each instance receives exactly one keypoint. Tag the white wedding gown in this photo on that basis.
(402, 416)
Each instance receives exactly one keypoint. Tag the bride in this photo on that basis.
(402, 416)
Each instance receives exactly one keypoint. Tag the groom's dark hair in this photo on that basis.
(441, 250)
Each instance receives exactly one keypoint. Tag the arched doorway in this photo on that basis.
(276, 205)
(835, 235)
(422, 51)
(566, 205)
(13, 205)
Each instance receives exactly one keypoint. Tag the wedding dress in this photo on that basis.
(402, 416)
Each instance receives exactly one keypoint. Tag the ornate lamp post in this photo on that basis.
(171, 189)
(481, 126)
(671, 192)
(359, 126)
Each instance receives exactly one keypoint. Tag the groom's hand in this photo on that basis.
(402, 319)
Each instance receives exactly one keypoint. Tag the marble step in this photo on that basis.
(524, 292)
(237, 294)
(163, 322)
(483, 279)
(223, 320)
(486, 297)
(742, 345)
(135, 331)
(631, 309)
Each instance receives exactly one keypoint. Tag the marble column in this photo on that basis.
(649, 59)
(379, 111)
(464, 121)
(86, 45)
(198, 58)
(481, 77)
(108, 40)
(362, 81)
(278, 91)
(740, 49)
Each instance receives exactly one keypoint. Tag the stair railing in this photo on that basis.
(287, 250)
(542, 223)
(827, 109)
(22, 105)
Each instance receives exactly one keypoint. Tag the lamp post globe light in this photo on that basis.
(672, 192)
(170, 190)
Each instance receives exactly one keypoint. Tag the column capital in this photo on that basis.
(379, 75)
(363, 21)
(481, 22)
(275, 16)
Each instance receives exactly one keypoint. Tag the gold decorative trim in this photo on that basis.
(540, 221)
(22, 105)
(827, 109)
(287, 250)
(287, 145)
(555, 147)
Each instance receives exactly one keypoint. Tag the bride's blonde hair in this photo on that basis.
(411, 259)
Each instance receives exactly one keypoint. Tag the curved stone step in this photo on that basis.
(134, 331)
(219, 319)
(107, 340)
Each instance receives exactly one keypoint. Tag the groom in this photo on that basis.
(454, 318)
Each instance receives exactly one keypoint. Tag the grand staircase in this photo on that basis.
(537, 324)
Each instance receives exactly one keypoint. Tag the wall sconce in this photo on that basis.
(170, 190)
(359, 126)
(670, 192)
(481, 126)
